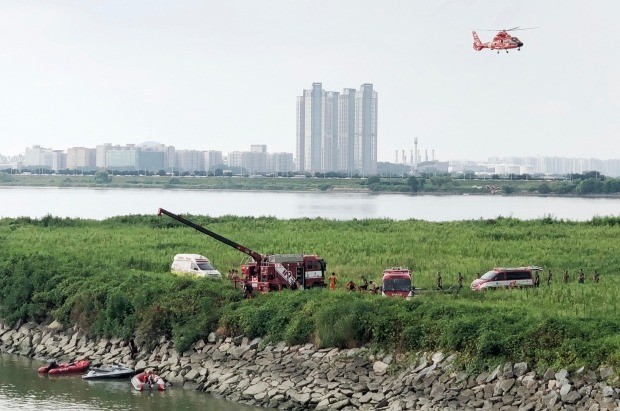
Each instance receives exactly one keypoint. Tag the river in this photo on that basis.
(22, 388)
(103, 203)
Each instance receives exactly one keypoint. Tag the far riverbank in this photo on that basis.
(581, 186)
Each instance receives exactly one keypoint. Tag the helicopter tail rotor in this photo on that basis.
(477, 43)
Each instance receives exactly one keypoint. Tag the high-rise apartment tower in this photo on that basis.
(337, 131)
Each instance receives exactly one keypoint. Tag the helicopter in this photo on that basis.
(501, 41)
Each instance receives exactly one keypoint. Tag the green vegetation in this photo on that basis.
(112, 278)
(588, 184)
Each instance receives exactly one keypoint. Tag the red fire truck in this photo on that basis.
(269, 272)
(396, 282)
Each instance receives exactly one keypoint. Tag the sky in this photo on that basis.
(222, 75)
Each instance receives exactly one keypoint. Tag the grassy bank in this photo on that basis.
(111, 278)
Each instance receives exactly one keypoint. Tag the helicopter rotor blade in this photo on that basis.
(512, 29)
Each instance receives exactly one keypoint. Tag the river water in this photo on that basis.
(22, 388)
(104, 203)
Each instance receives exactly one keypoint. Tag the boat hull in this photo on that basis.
(140, 384)
(65, 368)
(102, 373)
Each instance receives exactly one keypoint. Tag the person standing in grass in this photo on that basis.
(596, 277)
(549, 277)
(373, 287)
(536, 279)
(566, 277)
(460, 279)
(363, 284)
(439, 281)
(332, 282)
(582, 276)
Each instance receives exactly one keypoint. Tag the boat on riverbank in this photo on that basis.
(108, 372)
(146, 381)
(64, 368)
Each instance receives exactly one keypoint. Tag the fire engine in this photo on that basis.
(269, 272)
(396, 282)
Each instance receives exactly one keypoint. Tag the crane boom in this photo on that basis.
(256, 256)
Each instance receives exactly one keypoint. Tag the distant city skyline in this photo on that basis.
(259, 159)
(221, 75)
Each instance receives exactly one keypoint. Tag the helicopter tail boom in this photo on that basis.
(478, 45)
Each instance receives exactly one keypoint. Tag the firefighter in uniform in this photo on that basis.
(332, 281)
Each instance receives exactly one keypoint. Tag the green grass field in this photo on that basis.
(112, 278)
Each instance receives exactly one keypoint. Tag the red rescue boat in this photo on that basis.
(148, 381)
(65, 368)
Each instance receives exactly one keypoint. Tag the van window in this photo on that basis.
(489, 276)
(204, 266)
(519, 275)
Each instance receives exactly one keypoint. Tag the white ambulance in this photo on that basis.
(194, 264)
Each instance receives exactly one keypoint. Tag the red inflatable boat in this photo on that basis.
(65, 368)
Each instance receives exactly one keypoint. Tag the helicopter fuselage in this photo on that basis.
(501, 41)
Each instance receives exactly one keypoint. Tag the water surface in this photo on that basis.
(103, 203)
(22, 388)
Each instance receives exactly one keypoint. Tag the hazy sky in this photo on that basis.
(224, 75)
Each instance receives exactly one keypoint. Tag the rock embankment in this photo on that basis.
(304, 377)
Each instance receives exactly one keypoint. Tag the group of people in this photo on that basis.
(581, 277)
(365, 285)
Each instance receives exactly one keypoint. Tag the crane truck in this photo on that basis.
(268, 272)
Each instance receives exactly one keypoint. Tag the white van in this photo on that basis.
(505, 277)
(194, 264)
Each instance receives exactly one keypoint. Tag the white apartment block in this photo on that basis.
(337, 131)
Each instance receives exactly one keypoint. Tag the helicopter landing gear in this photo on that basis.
(519, 49)
(497, 51)
(506, 51)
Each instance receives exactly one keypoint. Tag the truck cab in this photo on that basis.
(396, 282)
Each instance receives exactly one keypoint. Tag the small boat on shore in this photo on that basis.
(148, 381)
(108, 372)
(64, 368)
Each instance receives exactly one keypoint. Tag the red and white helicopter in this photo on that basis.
(501, 41)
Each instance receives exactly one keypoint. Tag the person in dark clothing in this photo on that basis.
(363, 284)
(247, 290)
(439, 281)
(460, 279)
(582, 276)
(549, 277)
(597, 277)
(133, 348)
(536, 279)
(566, 277)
